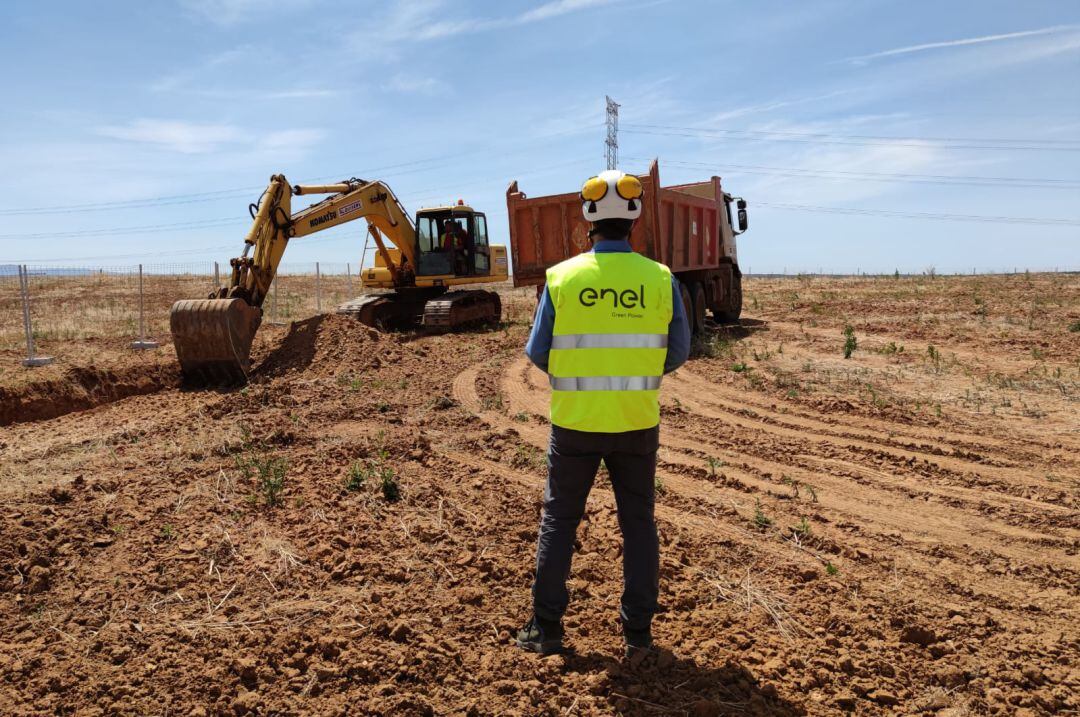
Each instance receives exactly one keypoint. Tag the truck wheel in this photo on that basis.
(688, 304)
(733, 305)
(697, 318)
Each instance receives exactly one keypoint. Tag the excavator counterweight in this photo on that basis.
(213, 336)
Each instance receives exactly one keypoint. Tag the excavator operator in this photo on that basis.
(446, 237)
(456, 239)
(609, 325)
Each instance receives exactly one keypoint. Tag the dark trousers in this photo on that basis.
(573, 459)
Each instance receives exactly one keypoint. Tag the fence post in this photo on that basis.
(318, 290)
(217, 278)
(348, 279)
(24, 289)
(142, 342)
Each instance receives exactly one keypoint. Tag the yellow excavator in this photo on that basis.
(446, 247)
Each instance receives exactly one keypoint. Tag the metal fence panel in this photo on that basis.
(86, 302)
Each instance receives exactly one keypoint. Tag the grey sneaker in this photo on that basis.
(541, 636)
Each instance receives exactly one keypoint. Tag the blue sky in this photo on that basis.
(163, 113)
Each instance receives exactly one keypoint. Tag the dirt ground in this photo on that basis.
(354, 531)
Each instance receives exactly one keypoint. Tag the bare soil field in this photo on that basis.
(353, 532)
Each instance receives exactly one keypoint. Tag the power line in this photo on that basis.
(331, 234)
(976, 181)
(874, 136)
(205, 196)
(922, 215)
(146, 228)
(178, 252)
(854, 140)
(171, 199)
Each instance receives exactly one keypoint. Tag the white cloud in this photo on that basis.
(409, 84)
(863, 59)
(198, 79)
(198, 138)
(417, 20)
(178, 136)
(294, 139)
(559, 7)
(796, 174)
(188, 75)
(767, 107)
(231, 12)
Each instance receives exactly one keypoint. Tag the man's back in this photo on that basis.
(609, 341)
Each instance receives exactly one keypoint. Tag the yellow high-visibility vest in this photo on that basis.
(612, 311)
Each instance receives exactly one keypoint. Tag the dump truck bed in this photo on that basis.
(685, 226)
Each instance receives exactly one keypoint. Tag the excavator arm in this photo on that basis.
(213, 336)
(274, 225)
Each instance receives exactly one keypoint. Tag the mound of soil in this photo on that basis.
(328, 346)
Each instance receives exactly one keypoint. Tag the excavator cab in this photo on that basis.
(452, 242)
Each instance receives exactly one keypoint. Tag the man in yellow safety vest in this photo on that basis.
(610, 324)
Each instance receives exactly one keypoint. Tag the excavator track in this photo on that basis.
(457, 309)
(383, 311)
(213, 339)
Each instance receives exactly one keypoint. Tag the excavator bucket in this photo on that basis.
(213, 339)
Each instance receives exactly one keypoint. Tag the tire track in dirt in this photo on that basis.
(882, 515)
(886, 507)
(936, 441)
(697, 392)
(1070, 444)
(903, 482)
(522, 383)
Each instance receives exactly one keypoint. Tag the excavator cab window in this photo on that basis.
(481, 252)
(433, 256)
(448, 244)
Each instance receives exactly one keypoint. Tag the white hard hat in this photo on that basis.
(612, 194)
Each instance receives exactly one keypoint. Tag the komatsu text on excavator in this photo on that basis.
(446, 247)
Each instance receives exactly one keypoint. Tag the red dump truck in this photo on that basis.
(688, 227)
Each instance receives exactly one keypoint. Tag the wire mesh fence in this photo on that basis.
(81, 302)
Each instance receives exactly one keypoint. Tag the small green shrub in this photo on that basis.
(935, 357)
(271, 479)
(388, 483)
(850, 343)
(710, 346)
(357, 477)
(268, 473)
(760, 519)
(792, 484)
